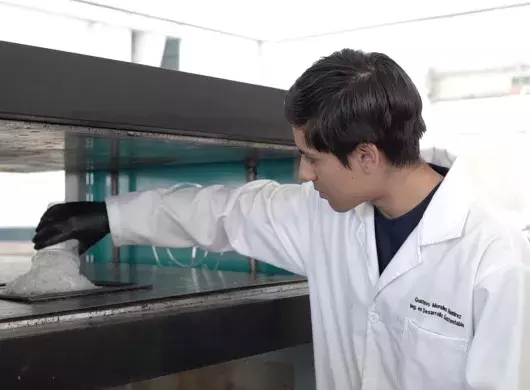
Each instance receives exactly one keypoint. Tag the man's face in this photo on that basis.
(343, 187)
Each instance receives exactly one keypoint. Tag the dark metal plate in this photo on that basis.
(57, 87)
(105, 287)
(34, 147)
(167, 282)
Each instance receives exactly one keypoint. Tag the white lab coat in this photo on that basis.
(446, 314)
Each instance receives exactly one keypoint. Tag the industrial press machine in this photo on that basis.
(116, 127)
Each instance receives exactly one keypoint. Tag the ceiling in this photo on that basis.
(287, 19)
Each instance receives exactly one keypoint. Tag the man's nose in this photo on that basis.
(306, 171)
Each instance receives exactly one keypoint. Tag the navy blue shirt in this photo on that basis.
(390, 234)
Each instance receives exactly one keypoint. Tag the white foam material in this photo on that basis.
(53, 269)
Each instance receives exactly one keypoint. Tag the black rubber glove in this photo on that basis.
(86, 222)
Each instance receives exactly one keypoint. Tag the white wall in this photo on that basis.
(202, 52)
(37, 28)
(219, 55)
(475, 41)
(205, 52)
(24, 197)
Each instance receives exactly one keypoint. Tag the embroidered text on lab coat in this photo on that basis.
(435, 309)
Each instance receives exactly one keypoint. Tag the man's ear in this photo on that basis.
(366, 156)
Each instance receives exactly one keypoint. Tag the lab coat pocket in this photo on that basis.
(431, 361)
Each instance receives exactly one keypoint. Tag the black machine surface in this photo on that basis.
(56, 87)
(190, 318)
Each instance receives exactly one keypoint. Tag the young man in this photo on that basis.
(412, 285)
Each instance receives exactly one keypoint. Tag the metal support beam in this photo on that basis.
(114, 185)
(252, 174)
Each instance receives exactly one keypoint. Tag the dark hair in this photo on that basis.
(352, 97)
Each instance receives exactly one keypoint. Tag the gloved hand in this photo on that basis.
(86, 222)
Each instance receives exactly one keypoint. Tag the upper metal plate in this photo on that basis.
(34, 147)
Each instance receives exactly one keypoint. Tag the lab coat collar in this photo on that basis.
(443, 220)
(447, 212)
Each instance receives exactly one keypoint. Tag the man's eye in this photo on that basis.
(309, 159)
